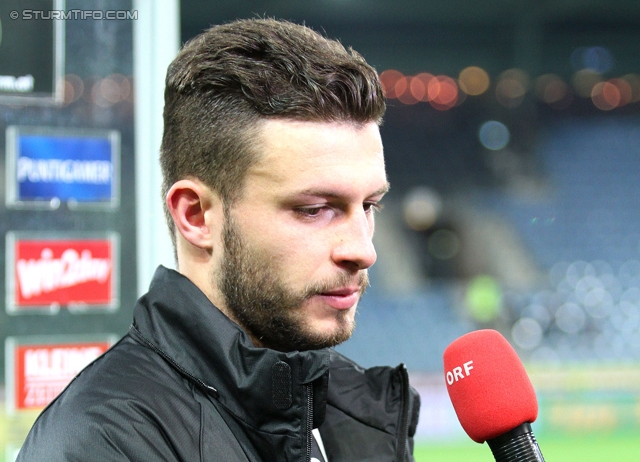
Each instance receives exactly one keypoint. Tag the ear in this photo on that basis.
(192, 206)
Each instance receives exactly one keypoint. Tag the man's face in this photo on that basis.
(298, 243)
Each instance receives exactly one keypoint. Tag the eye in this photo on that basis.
(313, 211)
(371, 207)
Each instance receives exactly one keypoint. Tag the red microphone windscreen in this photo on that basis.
(488, 385)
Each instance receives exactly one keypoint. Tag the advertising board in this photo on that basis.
(31, 53)
(47, 166)
(48, 271)
(38, 369)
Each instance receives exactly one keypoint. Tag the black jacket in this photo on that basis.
(186, 384)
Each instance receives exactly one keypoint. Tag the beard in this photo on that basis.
(266, 308)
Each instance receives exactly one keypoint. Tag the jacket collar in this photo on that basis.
(264, 388)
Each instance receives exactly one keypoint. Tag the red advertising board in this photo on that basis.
(38, 372)
(50, 273)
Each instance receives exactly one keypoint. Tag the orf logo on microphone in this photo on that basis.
(459, 372)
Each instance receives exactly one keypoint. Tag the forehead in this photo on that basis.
(299, 154)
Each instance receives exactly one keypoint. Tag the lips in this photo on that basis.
(341, 299)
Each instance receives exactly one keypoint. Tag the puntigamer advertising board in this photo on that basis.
(47, 272)
(48, 166)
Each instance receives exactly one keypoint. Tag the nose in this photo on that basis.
(354, 245)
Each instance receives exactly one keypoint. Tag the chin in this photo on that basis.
(333, 333)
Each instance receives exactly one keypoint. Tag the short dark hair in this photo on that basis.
(229, 78)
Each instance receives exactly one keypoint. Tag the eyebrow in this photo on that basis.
(333, 194)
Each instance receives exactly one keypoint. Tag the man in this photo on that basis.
(273, 167)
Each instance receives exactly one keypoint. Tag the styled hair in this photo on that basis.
(229, 78)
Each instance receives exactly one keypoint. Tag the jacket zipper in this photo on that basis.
(401, 444)
(309, 421)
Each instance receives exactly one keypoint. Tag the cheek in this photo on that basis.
(299, 260)
(275, 250)
(296, 250)
(281, 236)
(292, 254)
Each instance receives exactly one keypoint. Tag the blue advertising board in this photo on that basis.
(50, 166)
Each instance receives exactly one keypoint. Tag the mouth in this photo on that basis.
(342, 298)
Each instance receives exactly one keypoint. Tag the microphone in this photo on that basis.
(492, 395)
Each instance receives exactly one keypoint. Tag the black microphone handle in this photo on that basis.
(517, 445)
